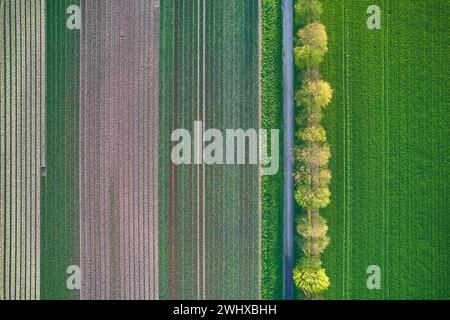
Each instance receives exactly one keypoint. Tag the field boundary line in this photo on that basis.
(348, 162)
(344, 278)
(259, 162)
(387, 163)
(203, 165)
(197, 171)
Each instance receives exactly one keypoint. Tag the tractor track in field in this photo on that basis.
(348, 155)
(172, 247)
(260, 22)
(388, 155)
(345, 264)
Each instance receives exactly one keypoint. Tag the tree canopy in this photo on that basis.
(307, 197)
(313, 155)
(306, 57)
(312, 226)
(306, 11)
(314, 133)
(315, 246)
(311, 281)
(314, 93)
(315, 36)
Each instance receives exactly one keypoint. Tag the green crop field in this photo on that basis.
(388, 128)
(209, 215)
(59, 193)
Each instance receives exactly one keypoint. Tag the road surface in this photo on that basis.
(288, 95)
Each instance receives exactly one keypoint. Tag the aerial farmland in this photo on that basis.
(210, 215)
(388, 125)
(224, 150)
(22, 147)
(59, 217)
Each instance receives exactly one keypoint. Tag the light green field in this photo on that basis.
(389, 132)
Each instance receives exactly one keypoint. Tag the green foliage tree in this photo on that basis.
(314, 93)
(306, 11)
(311, 115)
(311, 281)
(315, 246)
(306, 57)
(313, 133)
(324, 177)
(308, 197)
(314, 36)
(304, 176)
(310, 262)
(312, 226)
(312, 175)
(313, 155)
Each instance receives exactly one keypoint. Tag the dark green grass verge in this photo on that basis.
(272, 118)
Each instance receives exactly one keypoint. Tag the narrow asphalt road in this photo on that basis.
(288, 95)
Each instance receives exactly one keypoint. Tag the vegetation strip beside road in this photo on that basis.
(312, 153)
(272, 118)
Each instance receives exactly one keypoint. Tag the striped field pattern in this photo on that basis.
(86, 181)
(119, 149)
(89, 195)
(22, 145)
(209, 215)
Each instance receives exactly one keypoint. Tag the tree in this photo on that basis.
(310, 198)
(304, 176)
(313, 133)
(313, 155)
(314, 93)
(310, 262)
(315, 36)
(313, 226)
(306, 11)
(315, 246)
(309, 115)
(324, 177)
(311, 281)
(306, 57)
(312, 175)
